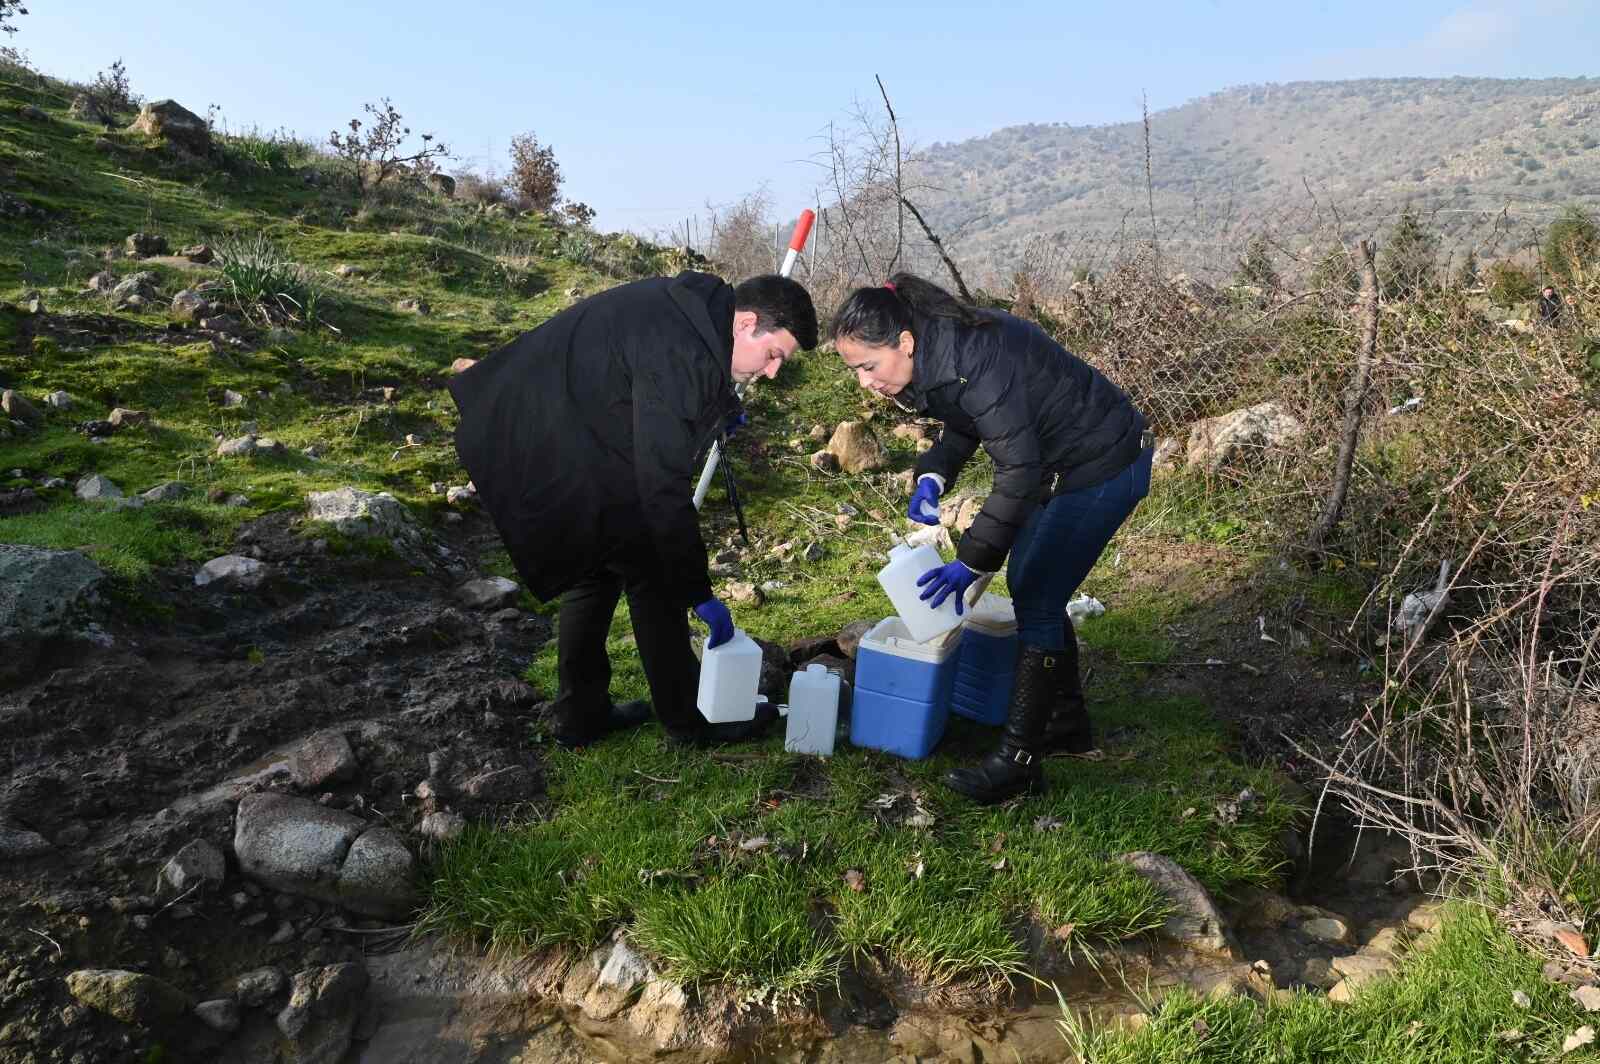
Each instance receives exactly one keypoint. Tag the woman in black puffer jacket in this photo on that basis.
(1071, 458)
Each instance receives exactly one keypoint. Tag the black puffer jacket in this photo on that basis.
(1038, 410)
(582, 435)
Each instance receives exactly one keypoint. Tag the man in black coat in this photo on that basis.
(582, 437)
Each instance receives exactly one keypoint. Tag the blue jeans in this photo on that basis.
(1060, 544)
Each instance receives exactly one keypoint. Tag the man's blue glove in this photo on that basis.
(925, 501)
(939, 584)
(718, 619)
(735, 421)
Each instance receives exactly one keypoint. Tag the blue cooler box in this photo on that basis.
(986, 666)
(902, 692)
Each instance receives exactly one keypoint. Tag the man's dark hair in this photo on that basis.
(779, 303)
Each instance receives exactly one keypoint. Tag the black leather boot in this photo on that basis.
(1017, 766)
(1069, 730)
(573, 729)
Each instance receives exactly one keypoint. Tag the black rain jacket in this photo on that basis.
(582, 435)
(1047, 419)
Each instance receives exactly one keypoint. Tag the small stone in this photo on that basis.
(813, 552)
(284, 933)
(825, 462)
(233, 571)
(1319, 973)
(18, 408)
(221, 1014)
(96, 488)
(322, 759)
(1362, 966)
(1326, 929)
(488, 593)
(856, 449)
(1385, 942)
(746, 594)
(231, 398)
(1343, 992)
(123, 417)
(189, 305)
(237, 448)
(144, 245)
(131, 997)
(199, 254)
(196, 864)
(168, 492)
(257, 987)
(18, 844)
(59, 401)
(1521, 1000)
(461, 496)
(414, 306)
(1425, 917)
(345, 269)
(443, 826)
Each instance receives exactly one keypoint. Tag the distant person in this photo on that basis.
(581, 437)
(1549, 306)
(1071, 460)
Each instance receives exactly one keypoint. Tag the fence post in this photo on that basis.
(1355, 398)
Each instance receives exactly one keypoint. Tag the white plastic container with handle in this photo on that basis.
(729, 676)
(813, 711)
(899, 581)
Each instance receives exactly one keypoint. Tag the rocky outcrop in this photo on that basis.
(301, 847)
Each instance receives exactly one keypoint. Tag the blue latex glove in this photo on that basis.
(734, 422)
(718, 619)
(925, 502)
(939, 584)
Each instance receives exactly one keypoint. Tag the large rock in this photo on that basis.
(233, 571)
(17, 407)
(170, 491)
(378, 877)
(856, 448)
(176, 123)
(358, 513)
(39, 592)
(131, 997)
(489, 593)
(301, 847)
(189, 305)
(320, 1018)
(1216, 442)
(850, 636)
(256, 988)
(197, 863)
(1195, 921)
(294, 845)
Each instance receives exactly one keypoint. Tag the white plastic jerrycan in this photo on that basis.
(729, 675)
(813, 711)
(899, 580)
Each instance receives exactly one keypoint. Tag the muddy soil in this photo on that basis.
(120, 754)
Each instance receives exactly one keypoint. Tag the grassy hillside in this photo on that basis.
(1460, 149)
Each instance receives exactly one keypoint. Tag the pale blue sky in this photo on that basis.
(654, 109)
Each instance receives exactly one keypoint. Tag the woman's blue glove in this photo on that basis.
(939, 584)
(735, 421)
(925, 501)
(718, 619)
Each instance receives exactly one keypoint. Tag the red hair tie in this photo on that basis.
(889, 285)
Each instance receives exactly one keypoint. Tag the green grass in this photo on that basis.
(943, 898)
(1451, 1003)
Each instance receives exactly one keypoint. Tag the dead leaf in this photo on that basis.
(855, 880)
(1201, 1027)
(917, 867)
(1583, 1036)
(1588, 998)
(998, 844)
(1569, 937)
(1521, 1000)
(1065, 931)
(1189, 812)
(760, 842)
(1000, 865)
(1261, 622)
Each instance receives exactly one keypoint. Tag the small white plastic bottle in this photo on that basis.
(813, 711)
(899, 579)
(729, 676)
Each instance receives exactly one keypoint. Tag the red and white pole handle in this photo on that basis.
(797, 244)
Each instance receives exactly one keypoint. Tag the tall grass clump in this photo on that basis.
(264, 282)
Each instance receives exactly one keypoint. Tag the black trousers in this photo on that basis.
(661, 631)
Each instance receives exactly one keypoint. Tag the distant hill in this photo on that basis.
(1486, 159)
